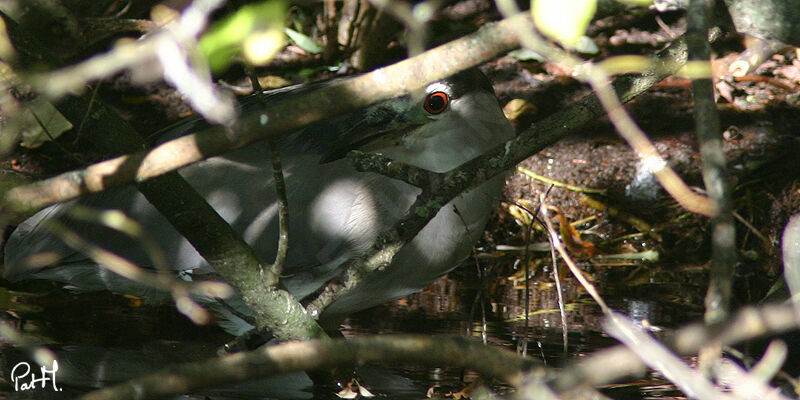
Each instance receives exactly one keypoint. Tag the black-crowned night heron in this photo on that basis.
(335, 211)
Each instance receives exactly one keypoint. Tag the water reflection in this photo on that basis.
(101, 339)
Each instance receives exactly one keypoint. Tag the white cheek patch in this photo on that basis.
(438, 87)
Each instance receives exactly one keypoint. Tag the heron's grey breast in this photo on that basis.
(335, 212)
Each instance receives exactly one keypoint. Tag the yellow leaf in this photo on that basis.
(563, 20)
(260, 47)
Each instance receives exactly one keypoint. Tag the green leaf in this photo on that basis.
(636, 3)
(563, 20)
(303, 41)
(255, 30)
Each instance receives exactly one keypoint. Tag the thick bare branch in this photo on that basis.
(600, 368)
(304, 356)
(279, 118)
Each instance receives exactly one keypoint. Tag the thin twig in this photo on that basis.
(613, 363)
(715, 175)
(173, 48)
(637, 139)
(553, 182)
(559, 292)
(661, 359)
(280, 191)
(562, 251)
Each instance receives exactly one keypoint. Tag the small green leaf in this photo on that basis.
(255, 30)
(636, 3)
(563, 20)
(261, 46)
(302, 41)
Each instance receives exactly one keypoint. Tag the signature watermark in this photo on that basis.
(24, 378)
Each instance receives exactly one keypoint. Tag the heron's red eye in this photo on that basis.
(436, 102)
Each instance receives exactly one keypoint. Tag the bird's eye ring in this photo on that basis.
(436, 102)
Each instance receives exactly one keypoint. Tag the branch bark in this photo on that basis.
(715, 174)
(190, 214)
(279, 118)
(222, 247)
(457, 352)
(617, 362)
(439, 189)
(602, 367)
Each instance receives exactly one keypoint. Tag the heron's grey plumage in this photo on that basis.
(335, 211)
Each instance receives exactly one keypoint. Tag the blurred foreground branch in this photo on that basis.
(220, 245)
(170, 52)
(617, 362)
(279, 118)
(715, 174)
(458, 352)
(603, 367)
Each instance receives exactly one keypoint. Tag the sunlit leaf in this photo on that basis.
(513, 110)
(636, 3)
(563, 20)
(256, 31)
(260, 47)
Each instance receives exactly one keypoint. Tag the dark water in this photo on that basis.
(100, 338)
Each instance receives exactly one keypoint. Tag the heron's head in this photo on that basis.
(439, 128)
